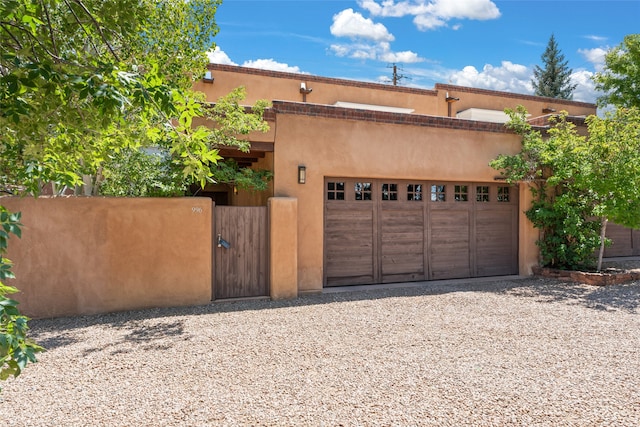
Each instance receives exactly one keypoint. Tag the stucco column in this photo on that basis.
(283, 238)
(529, 252)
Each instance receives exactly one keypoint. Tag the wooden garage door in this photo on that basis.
(624, 241)
(382, 231)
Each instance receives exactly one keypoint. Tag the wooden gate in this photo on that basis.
(241, 252)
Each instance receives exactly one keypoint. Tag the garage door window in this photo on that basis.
(461, 193)
(482, 193)
(414, 192)
(503, 194)
(389, 191)
(363, 191)
(335, 190)
(438, 193)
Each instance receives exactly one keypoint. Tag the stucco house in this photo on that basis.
(372, 184)
(392, 183)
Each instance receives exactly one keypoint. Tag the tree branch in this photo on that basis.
(73, 12)
(51, 32)
(98, 28)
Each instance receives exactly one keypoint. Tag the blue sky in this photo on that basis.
(479, 43)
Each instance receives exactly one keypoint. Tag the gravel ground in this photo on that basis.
(507, 352)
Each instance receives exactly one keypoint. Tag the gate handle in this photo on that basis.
(223, 243)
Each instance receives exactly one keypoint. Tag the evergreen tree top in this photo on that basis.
(553, 80)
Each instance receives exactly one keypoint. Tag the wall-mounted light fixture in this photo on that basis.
(208, 77)
(302, 174)
(548, 110)
(304, 91)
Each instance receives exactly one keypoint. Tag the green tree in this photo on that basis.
(84, 80)
(611, 171)
(138, 173)
(81, 79)
(620, 77)
(16, 350)
(579, 183)
(554, 79)
(568, 237)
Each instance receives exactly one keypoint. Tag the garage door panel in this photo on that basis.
(408, 264)
(450, 244)
(495, 241)
(622, 241)
(402, 242)
(403, 231)
(349, 244)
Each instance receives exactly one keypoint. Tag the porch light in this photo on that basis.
(208, 77)
(302, 174)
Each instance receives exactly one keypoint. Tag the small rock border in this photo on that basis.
(604, 278)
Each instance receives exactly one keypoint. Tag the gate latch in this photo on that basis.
(223, 243)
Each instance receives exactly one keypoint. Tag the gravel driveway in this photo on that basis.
(507, 352)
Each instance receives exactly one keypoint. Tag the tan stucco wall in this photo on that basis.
(283, 242)
(343, 148)
(366, 148)
(490, 100)
(270, 85)
(286, 87)
(529, 253)
(97, 255)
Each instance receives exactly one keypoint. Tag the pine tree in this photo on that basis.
(554, 80)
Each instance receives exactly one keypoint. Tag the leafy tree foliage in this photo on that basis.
(16, 350)
(85, 81)
(134, 172)
(82, 79)
(554, 80)
(620, 78)
(578, 183)
(228, 172)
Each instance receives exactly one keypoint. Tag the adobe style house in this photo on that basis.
(392, 184)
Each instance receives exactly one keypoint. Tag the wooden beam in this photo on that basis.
(262, 146)
(236, 154)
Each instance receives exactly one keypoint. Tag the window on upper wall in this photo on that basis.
(438, 193)
(461, 193)
(503, 194)
(335, 190)
(482, 193)
(363, 190)
(414, 192)
(389, 191)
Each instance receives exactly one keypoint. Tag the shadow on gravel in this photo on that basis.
(54, 333)
(624, 297)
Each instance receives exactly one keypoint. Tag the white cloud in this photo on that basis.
(507, 77)
(428, 22)
(389, 8)
(355, 26)
(595, 56)
(217, 56)
(465, 9)
(370, 41)
(516, 78)
(586, 90)
(599, 39)
(405, 57)
(374, 51)
(432, 14)
(270, 64)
